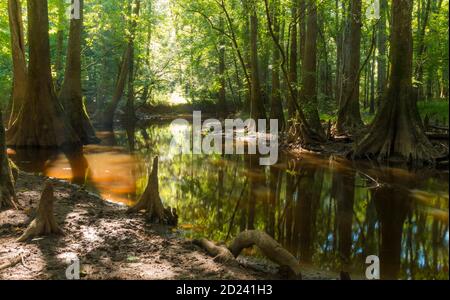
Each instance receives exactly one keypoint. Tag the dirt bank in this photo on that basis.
(109, 243)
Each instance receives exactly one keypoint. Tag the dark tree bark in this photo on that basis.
(276, 106)
(397, 132)
(41, 121)
(59, 44)
(18, 58)
(382, 52)
(349, 116)
(293, 60)
(309, 73)
(71, 92)
(257, 108)
(7, 192)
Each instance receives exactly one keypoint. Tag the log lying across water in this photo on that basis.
(246, 239)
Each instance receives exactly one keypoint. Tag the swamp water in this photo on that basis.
(327, 211)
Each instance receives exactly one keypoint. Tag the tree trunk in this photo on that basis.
(7, 192)
(293, 59)
(45, 222)
(382, 53)
(18, 59)
(349, 116)
(257, 107)
(309, 74)
(107, 119)
(151, 202)
(276, 107)
(222, 75)
(41, 121)
(59, 44)
(397, 131)
(71, 92)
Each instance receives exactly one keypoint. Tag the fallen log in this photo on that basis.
(45, 222)
(268, 246)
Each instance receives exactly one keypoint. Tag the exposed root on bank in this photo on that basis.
(246, 239)
(151, 202)
(45, 223)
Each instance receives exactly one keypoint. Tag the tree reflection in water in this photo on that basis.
(327, 211)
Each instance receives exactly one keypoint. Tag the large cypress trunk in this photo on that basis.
(41, 121)
(397, 132)
(349, 116)
(18, 58)
(71, 94)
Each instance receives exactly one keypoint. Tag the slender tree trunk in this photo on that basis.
(107, 119)
(41, 122)
(257, 107)
(382, 52)
(18, 59)
(71, 95)
(349, 116)
(222, 75)
(397, 131)
(293, 60)
(59, 44)
(419, 69)
(309, 74)
(276, 111)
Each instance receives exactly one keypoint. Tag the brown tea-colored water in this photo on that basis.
(327, 211)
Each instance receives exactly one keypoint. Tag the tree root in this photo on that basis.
(45, 222)
(221, 254)
(151, 202)
(11, 263)
(268, 246)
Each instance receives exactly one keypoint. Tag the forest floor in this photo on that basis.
(110, 244)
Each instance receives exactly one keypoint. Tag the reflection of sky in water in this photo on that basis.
(312, 216)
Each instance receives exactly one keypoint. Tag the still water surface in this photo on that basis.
(328, 212)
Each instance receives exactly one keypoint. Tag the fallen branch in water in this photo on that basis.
(268, 246)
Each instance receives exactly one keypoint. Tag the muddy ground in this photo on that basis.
(109, 243)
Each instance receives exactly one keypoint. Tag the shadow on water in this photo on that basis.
(327, 211)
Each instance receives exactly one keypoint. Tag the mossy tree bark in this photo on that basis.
(18, 58)
(45, 222)
(71, 93)
(41, 121)
(7, 192)
(397, 132)
(151, 202)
